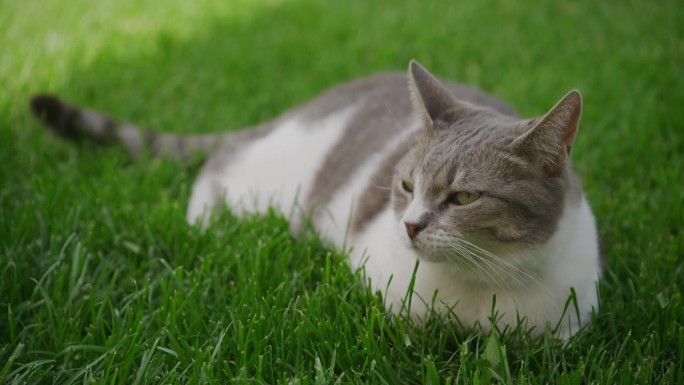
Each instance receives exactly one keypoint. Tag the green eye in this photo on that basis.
(407, 186)
(463, 198)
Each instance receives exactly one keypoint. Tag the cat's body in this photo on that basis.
(487, 202)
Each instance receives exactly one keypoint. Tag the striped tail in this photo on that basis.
(75, 124)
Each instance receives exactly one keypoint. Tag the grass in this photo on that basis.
(103, 282)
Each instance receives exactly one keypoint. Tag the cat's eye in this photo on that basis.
(463, 197)
(407, 186)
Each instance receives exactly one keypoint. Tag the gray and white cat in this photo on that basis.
(442, 174)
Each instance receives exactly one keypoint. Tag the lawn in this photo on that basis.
(102, 281)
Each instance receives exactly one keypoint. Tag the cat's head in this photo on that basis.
(480, 179)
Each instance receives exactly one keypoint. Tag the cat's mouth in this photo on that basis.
(425, 251)
(439, 246)
(423, 245)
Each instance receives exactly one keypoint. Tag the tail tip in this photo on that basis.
(47, 108)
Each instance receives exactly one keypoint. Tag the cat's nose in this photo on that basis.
(412, 229)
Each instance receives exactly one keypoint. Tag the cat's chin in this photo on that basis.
(430, 258)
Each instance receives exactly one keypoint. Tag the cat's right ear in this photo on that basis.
(430, 98)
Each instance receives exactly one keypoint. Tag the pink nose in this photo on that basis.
(412, 229)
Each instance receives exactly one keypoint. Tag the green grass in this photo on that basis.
(101, 280)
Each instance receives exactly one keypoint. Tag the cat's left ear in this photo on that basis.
(549, 141)
(430, 97)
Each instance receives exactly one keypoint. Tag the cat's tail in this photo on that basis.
(75, 123)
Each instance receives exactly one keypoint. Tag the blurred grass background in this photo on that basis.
(103, 282)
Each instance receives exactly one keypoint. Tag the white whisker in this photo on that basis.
(500, 260)
(494, 268)
(467, 255)
(511, 270)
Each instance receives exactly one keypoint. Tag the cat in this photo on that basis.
(435, 172)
